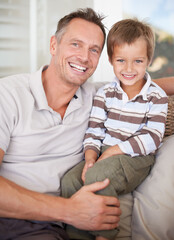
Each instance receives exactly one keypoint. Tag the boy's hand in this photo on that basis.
(109, 152)
(88, 164)
(90, 159)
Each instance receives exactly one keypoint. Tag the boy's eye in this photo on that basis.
(120, 60)
(138, 61)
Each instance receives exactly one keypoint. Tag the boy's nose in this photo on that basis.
(129, 67)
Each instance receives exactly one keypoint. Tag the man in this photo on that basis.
(41, 138)
(43, 120)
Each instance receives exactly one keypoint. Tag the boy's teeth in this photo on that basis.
(80, 68)
(128, 75)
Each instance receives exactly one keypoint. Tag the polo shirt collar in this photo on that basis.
(37, 90)
(76, 102)
(144, 90)
(36, 87)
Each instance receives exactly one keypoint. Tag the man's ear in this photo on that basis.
(53, 45)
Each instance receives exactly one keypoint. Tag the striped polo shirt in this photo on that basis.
(136, 125)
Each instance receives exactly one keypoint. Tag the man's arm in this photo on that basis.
(167, 84)
(84, 210)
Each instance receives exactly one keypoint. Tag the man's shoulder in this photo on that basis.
(14, 81)
(88, 87)
(97, 85)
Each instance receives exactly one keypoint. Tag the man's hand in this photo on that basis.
(89, 211)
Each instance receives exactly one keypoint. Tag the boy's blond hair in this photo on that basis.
(128, 31)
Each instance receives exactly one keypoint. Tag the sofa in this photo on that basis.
(148, 212)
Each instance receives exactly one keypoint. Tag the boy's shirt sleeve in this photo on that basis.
(96, 130)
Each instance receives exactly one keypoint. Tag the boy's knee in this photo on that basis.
(94, 174)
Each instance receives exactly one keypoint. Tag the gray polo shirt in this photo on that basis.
(39, 146)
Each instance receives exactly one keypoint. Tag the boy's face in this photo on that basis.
(130, 63)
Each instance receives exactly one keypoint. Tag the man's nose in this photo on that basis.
(84, 54)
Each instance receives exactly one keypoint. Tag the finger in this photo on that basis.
(111, 201)
(112, 220)
(108, 226)
(113, 211)
(84, 172)
(83, 175)
(94, 187)
(91, 165)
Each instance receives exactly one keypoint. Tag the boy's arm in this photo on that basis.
(149, 137)
(90, 156)
(90, 159)
(111, 151)
(96, 129)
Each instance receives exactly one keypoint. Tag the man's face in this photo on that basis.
(76, 56)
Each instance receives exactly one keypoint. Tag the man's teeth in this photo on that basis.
(78, 68)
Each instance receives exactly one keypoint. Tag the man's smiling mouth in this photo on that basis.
(77, 67)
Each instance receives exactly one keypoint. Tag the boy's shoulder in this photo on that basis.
(154, 87)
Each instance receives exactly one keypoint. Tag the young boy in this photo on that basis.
(127, 121)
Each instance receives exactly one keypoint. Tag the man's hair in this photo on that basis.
(128, 31)
(87, 14)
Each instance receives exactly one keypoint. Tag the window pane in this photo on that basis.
(14, 37)
(160, 15)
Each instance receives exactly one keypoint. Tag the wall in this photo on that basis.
(112, 9)
(27, 25)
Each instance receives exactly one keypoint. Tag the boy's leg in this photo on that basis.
(125, 174)
(72, 181)
(70, 184)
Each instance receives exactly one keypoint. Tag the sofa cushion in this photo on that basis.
(126, 204)
(153, 210)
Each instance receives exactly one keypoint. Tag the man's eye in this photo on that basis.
(94, 50)
(75, 44)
